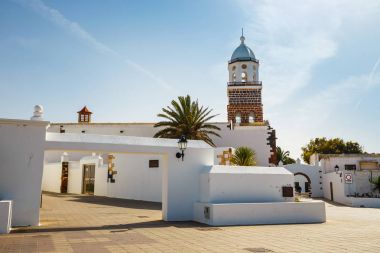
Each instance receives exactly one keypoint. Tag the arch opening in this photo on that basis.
(302, 183)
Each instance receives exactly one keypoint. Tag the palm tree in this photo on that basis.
(185, 117)
(284, 156)
(376, 183)
(244, 156)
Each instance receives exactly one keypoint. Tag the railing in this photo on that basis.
(251, 83)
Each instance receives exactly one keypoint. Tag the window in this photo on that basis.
(369, 165)
(244, 77)
(251, 118)
(233, 67)
(350, 167)
(154, 163)
(243, 66)
(82, 117)
(86, 118)
(234, 77)
(238, 118)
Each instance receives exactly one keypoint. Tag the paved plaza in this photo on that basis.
(77, 223)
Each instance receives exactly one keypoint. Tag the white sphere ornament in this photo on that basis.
(38, 113)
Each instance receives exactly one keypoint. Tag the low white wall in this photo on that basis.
(22, 145)
(235, 184)
(364, 202)
(51, 179)
(5, 216)
(313, 172)
(260, 213)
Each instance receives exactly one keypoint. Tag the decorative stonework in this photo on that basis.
(272, 143)
(225, 157)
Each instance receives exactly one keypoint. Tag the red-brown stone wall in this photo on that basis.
(245, 102)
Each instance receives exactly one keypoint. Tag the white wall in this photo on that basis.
(235, 184)
(313, 172)
(254, 137)
(134, 178)
(51, 179)
(261, 213)
(22, 155)
(339, 187)
(74, 184)
(181, 183)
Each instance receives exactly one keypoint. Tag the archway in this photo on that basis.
(302, 183)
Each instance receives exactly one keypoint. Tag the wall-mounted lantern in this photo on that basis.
(336, 168)
(182, 145)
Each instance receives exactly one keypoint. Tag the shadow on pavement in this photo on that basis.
(100, 200)
(117, 228)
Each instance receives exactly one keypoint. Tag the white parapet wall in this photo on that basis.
(237, 195)
(227, 214)
(22, 144)
(5, 216)
(364, 202)
(235, 184)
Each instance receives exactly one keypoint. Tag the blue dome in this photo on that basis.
(243, 53)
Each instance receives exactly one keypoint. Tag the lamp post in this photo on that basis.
(182, 145)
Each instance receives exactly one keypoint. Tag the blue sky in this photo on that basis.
(125, 60)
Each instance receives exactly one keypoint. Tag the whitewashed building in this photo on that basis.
(347, 178)
(344, 178)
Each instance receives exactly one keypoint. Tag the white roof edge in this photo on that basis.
(228, 169)
(117, 139)
(24, 121)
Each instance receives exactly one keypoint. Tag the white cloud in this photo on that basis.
(294, 36)
(75, 29)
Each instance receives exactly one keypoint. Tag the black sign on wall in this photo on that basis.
(287, 191)
(154, 164)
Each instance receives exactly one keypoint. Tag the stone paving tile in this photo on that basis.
(77, 223)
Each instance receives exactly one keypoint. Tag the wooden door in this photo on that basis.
(88, 179)
(64, 177)
(331, 191)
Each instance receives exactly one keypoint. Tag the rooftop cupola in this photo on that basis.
(84, 115)
(242, 52)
